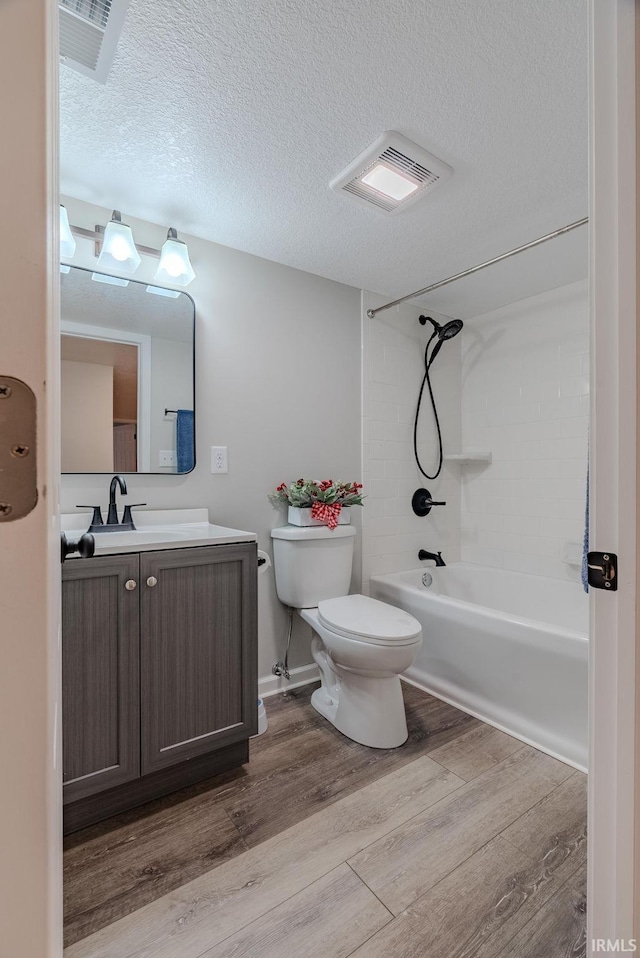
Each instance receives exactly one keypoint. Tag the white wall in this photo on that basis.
(277, 381)
(392, 371)
(525, 384)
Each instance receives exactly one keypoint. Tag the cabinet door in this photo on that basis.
(100, 674)
(199, 651)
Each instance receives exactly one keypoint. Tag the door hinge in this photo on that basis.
(18, 458)
(602, 568)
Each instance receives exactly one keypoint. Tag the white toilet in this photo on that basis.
(360, 645)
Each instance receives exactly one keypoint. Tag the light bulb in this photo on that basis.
(173, 264)
(120, 249)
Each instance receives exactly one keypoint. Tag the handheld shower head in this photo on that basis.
(448, 331)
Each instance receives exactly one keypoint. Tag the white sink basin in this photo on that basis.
(158, 529)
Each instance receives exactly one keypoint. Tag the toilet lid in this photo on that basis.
(368, 620)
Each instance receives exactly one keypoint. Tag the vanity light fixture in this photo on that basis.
(175, 266)
(67, 242)
(118, 248)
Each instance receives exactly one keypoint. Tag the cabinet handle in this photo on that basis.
(130, 585)
(151, 581)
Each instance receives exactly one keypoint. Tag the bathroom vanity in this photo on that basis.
(159, 651)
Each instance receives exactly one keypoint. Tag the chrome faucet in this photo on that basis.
(436, 556)
(112, 515)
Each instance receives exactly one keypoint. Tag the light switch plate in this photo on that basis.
(166, 457)
(219, 460)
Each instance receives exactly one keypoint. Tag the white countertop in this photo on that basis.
(155, 529)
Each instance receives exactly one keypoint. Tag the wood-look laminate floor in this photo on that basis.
(464, 843)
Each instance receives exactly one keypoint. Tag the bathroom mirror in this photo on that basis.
(127, 353)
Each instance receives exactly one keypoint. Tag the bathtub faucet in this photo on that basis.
(436, 556)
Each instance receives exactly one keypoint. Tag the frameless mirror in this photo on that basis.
(128, 394)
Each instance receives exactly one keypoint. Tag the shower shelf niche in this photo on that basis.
(469, 457)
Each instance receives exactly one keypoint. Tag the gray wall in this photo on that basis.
(277, 381)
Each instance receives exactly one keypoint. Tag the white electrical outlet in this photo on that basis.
(166, 457)
(219, 461)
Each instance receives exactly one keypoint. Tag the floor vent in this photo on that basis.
(89, 34)
(391, 174)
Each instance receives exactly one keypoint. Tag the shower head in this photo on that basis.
(448, 331)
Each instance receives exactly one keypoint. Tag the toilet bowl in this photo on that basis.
(360, 663)
(360, 645)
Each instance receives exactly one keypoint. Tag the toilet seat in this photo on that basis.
(368, 620)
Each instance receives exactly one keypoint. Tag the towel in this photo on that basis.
(585, 543)
(185, 440)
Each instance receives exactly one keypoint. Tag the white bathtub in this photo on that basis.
(508, 647)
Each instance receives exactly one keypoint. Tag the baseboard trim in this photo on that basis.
(273, 684)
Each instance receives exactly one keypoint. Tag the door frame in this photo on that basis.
(31, 820)
(613, 826)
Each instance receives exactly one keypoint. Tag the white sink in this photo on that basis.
(157, 529)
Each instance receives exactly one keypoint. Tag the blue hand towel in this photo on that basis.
(185, 440)
(585, 544)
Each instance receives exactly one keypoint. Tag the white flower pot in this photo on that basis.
(302, 517)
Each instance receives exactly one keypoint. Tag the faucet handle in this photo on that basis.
(422, 503)
(127, 518)
(96, 519)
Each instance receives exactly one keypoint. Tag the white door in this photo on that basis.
(30, 833)
(613, 477)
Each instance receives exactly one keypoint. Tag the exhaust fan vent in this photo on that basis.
(391, 174)
(89, 34)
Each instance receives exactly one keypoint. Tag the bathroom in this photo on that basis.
(233, 125)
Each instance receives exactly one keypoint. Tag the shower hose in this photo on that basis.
(426, 380)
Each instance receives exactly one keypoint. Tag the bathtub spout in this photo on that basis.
(436, 556)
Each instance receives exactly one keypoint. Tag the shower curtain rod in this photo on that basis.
(371, 313)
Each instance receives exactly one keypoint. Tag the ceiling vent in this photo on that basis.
(391, 174)
(89, 34)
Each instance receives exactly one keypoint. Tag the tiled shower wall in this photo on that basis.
(392, 370)
(525, 385)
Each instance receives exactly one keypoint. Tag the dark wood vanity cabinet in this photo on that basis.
(100, 675)
(199, 690)
(159, 673)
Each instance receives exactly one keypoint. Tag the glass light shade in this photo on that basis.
(389, 182)
(67, 240)
(118, 249)
(175, 266)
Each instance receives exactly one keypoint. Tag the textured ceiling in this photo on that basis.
(228, 118)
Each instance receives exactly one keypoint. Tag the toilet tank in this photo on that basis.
(312, 563)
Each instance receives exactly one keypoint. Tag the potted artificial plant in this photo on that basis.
(312, 502)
